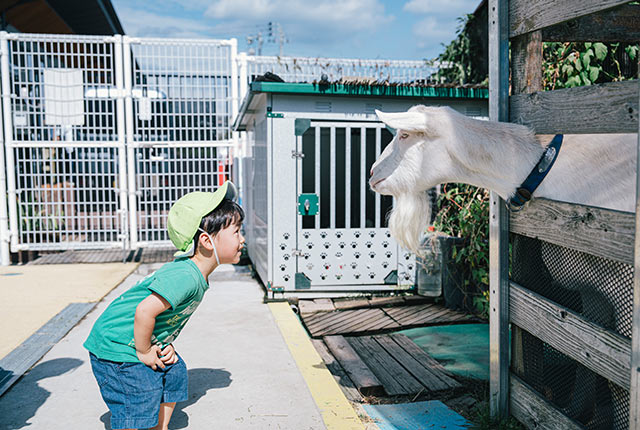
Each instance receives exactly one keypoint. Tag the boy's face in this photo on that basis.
(229, 243)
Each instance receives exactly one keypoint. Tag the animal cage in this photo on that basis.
(564, 324)
(314, 228)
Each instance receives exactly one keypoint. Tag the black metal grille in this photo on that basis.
(601, 291)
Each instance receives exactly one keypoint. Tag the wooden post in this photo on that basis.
(634, 392)
(498, 217)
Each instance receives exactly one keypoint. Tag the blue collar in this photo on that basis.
(525, 191)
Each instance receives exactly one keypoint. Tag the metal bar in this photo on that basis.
(316, 182)
(363, 174)
(129, 140)
(8, 139)
(498, 217)
(347, 177)
(342, 123)
(377, 195)
(634, 393)
(121, 133)
(332, 176)
(4, 216)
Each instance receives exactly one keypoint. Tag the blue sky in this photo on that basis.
(385, 29)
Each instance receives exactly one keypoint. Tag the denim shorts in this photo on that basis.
(133, 391)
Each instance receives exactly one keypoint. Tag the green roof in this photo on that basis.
(369, 90)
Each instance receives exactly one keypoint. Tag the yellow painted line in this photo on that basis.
(337, 413)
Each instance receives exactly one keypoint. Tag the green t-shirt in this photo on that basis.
(180, 283)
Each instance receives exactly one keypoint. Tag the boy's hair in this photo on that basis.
(226, 213)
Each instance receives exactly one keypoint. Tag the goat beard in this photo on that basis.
(408, 219)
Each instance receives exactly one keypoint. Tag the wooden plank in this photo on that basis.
(427, 361)
(604, 108)
(395, 379)
(377, 321)
(427, 377)
(530, 15)
(528, 407)
(21, 359)
(341, 377)
(351, 304)
(363, 378)
(328, 319)
(408, 311)
(614, 25)
(325, 303)
(383, 301)
(308, 306)
(600, 232)
(526, 63)
(605, 352)
(364, 316)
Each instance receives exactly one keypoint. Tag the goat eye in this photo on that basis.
(404, 135)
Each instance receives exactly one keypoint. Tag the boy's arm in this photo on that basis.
(143, 324)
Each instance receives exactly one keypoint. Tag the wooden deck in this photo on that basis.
(321, 320)
(383, 365)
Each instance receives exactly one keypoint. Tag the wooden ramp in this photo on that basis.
(371, 320)
(391, 362)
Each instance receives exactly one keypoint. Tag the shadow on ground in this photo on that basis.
(200, 381)
(37, 395)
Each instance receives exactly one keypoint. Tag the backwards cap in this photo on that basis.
(187, 212)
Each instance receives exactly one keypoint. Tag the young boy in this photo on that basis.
(140, 375)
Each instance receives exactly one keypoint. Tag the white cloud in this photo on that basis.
(459, 7)
(137, 22)
(346, 15)
(431, 31)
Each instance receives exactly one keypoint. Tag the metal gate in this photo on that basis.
(103, 133)
(347, 241)
(64, 145)
(183, 96)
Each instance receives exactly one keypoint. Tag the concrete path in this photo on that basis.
(242, 375)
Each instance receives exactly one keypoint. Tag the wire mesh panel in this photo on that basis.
(68, 197)
(64, 157)
(348, 241)
(62, 88)
(305, 69)
(601, 291)
(166, 174)
(178, 134)
(181, 90)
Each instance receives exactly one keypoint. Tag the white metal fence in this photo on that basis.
(101, 134)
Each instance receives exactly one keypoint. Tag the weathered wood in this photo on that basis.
(432, 379)
(350, 321)
(363, 378)
(425, 359)
(534, 412)
(526, 63)
(530, 15)
(604, 352)
(395, 379)
(600, 232)
(346, 384)
(408, 316)
(620, 24)
(351, 304)
(383, 301)
(603, 108)
(318, 305)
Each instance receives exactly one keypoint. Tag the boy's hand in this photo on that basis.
(168, 355)
(151, 357)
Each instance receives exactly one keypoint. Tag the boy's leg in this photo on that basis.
(166, 409)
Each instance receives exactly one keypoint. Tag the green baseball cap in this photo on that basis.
(186, 214)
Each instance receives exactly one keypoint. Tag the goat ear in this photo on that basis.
(410, 121)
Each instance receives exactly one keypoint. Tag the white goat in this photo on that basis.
(435, 145)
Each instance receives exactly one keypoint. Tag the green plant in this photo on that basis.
(567, 65)
(463, 211)
(482, 420)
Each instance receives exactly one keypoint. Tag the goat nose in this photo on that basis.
(371, 172)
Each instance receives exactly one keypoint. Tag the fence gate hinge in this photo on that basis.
(296, 154)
